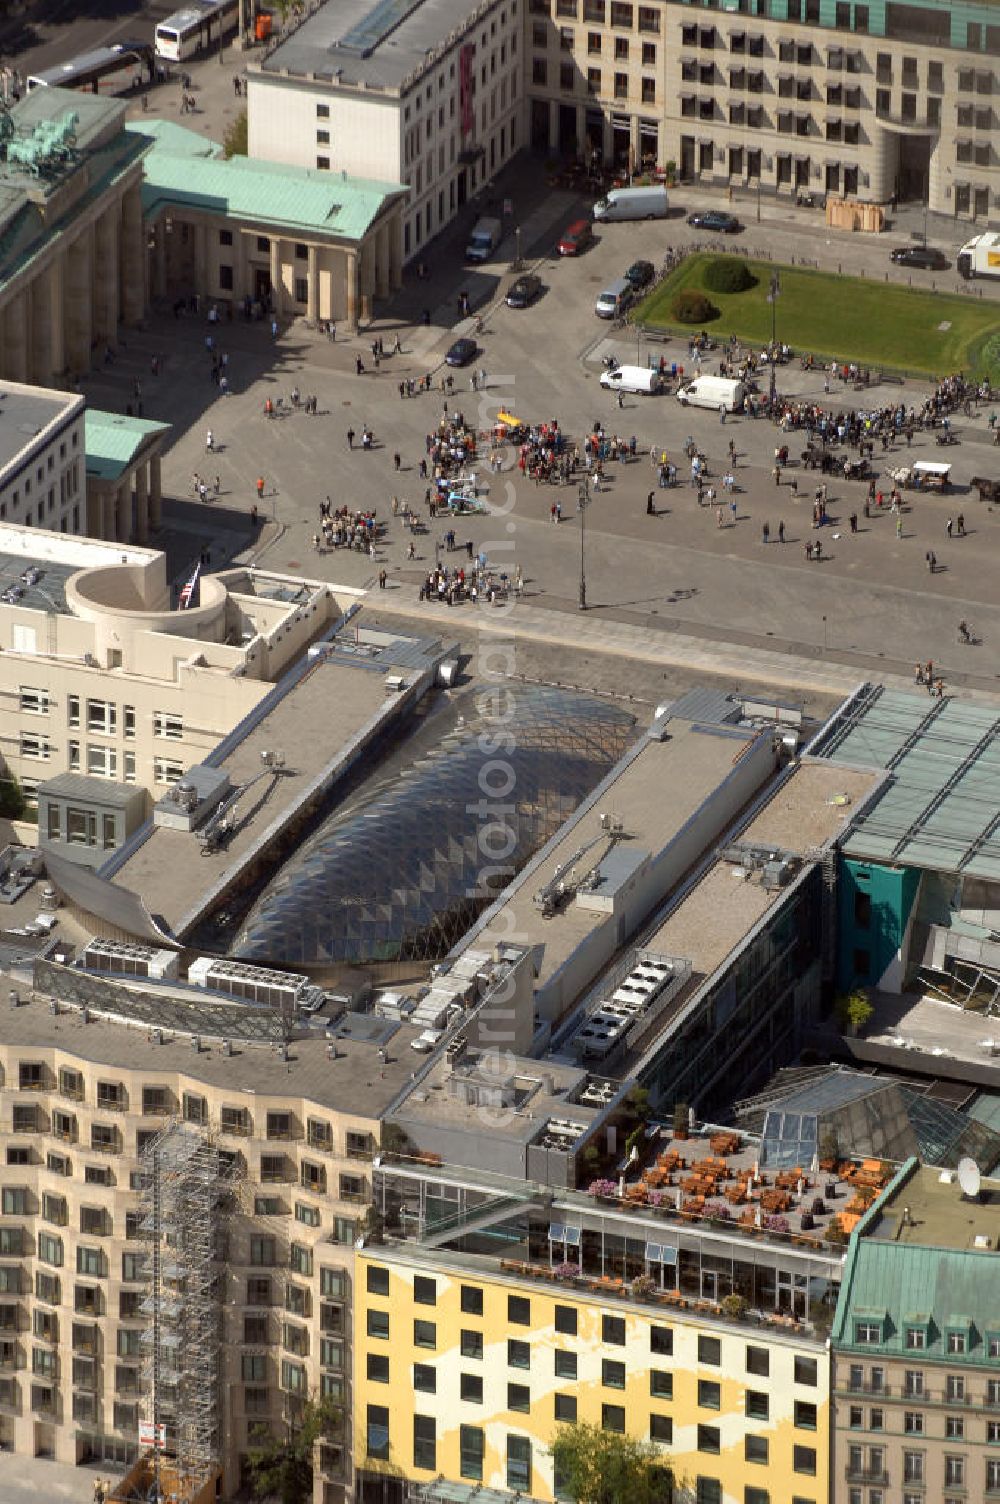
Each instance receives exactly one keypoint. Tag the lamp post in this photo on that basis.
(772, 298)
(583, 502)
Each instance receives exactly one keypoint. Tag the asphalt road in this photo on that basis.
(53, 31)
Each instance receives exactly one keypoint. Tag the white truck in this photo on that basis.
(980, 257)
(650, 202)
(640, 379)
(484, 239)
(714, 392)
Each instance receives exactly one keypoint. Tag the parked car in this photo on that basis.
(715, 219)
(524, 291)
(640, 273)
(927, 257)
(461, 352)
(576, 238)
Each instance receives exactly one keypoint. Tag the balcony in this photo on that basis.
(876, 1391)
(876, 1476)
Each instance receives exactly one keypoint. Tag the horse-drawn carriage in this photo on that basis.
(989, 490)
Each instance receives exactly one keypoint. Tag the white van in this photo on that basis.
(641, 379)
(713, 391)
(613, 301)
(485, 237)
(633, 203)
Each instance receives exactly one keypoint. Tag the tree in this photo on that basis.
(853, 1010)
(235, 141)
(602, 1467)
(283, 1468)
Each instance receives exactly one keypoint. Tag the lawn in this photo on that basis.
(846, 318)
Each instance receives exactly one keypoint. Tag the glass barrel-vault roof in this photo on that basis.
(403, 874)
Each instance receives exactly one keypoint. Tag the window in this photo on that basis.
(954, 1472)
(565, 1320)
(755, 1449)
(612, 1374)
(613, 1418)
(168, 725)
(913, 1422)
(916, 1338)
(757, 1405)
(89, 1261)
(425, 1442)
(661, 1340)
(378, 1368)
(954, 1427)
(709, 1439)
(992, 1475)
(519, 1398)
(804, 1460)
(707, 1491)
(424, 1291)
(565, 1365)
(472, 1344)
(807, 1372)
(565, 1408)
(471, 1388)
(472, 1300)
(954, 1388)
(377, 1432)
(518, 1353)
(956, 1342)
(805, 1416)
(470, 1452)
(166, 770)
(378, 1325)
(102, 717)
(35, 747)
(377, 1280)
(758, 1361)
(867, 1332)
(519, 1463)
(709, 1394)
(424, 1378)
(613, 1330)
(518, 1310)
(50, 1248)
(72, 710)
(710, 1351)
(425, 1334)
(262, 1252)
(34, 701)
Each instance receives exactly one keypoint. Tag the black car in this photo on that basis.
(927, 257)
(715, 219)
(524, 291)
(639, 273)
(461, 352)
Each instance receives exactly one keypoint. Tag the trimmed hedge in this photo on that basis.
(728, 274)
(693, 307)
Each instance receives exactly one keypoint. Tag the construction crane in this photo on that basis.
(563, 884)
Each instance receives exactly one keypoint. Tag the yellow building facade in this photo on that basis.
(466, 1380)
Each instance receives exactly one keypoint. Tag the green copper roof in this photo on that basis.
(112, 441)
(296, 199)
(167, 135)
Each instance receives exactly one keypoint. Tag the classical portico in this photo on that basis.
(124, 496)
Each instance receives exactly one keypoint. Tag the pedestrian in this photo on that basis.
(918, 674)
(931, 561)
(781, 532)
(722, 412)
(776, 473)
(350, 438)
(948, 527)
(939, 688)
(718, 516)
(899, 527)
(274, 328)
(382, 577)
(929, 669)
(253, 515)
(260, 488)
(650, 507)
(210, 441)
(396, 462)
(960, 524)
(765, 532)
(732, 510)
(854, 522)
(218, 486)
(359, 366)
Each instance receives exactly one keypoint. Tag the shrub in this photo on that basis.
(718, 1210)
(693, 307)
(727, 274)
(603, 1188)
(777, 1224)
(734, 1306)
(567, 1270)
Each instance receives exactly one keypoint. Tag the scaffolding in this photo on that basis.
(185, 1185)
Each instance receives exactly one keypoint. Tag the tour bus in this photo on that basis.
(200, 25)
(109, 70)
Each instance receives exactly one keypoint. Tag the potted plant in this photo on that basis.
(566, 1270)
(643, 1287)
(777, 1223)
(734, 1306)
(718, 1211)
(603, 1190)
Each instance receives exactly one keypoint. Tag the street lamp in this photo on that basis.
(583, 502)
(772, 298)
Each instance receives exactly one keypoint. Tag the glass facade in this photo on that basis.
(405, 872)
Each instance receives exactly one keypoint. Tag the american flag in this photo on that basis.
(187, 593)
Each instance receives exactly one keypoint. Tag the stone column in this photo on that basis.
(123, 510)
(57, 278)
(277, 288)
(79, 310)
(155, 492)
(15, 339)
(351, 270)
(160, 258)
(312, 284)
(106, 276)
(42, 314)
(201, 285)
(382, 261)
(109, 525)
(141, 504)
(133, 258)
(396, 251)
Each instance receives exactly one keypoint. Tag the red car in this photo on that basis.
(576, 238)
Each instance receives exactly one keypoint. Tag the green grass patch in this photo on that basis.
(845, 318)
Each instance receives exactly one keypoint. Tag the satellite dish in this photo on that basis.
(968, 1177)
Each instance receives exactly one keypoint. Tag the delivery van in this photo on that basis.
(633, 203)
(644, 380)
(484, 239)
(613, 301)
(713, 391)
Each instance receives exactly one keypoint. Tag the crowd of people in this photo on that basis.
(341, 527)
